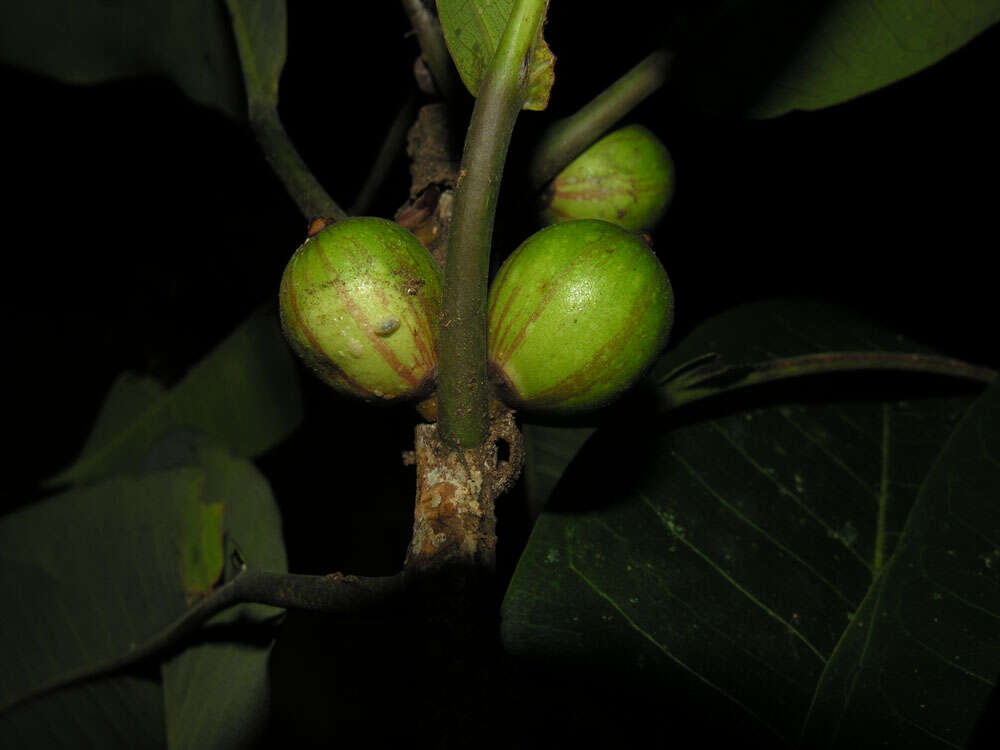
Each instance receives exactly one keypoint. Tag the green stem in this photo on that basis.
(463, 393)
(337, 594)
(433, 48)
(312, 200)
(569, 137)
(260, 33)
(714, 378)
(390, 149)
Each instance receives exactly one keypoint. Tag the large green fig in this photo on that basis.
(360, 303)
(626, 178)
(577, 315)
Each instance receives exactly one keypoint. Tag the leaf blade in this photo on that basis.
(187, 41)
(765, 59)
(548, 451)
(724, 558)
(216, 693)
(102, 569)
(56, 556)
(942, 583)
(472, 31)
(245, 393)
(260, 29)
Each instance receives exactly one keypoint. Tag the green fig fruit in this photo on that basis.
(359, 303)
(577, 315)
(627, 178)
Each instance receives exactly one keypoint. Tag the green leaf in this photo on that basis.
(548, 451)
(96, 570)
(769, 57)
(187, 41)
(202, 561)
(723, 558)
(216, 692)
(130, 395)
(260, 30)
(245, 394)
(917, 664)
(472, 30)
(83, 575)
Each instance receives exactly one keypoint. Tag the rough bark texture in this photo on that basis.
(434, 160)
(428, 216)
(433, 150)
(454, 524)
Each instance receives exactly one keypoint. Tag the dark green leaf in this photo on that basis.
(130, 395)
(217, 692)
(245, 394)
(83, 575)
(723, 558)
(548, 451)
(768, 57)
(108, 567)
(472, 30)
(917, 664)
(188, 41)
(260, 30)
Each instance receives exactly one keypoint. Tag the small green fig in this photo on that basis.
(359, 303)
(577, 315)
(626, 178)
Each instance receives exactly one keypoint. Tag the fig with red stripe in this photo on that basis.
(577, 315)
(359, 303)
(627, 178)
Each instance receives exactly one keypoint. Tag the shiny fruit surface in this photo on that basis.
(577, 315)
(359, 303)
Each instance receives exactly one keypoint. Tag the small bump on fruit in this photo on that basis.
(359, 303)
(627, 178)
(577, 315)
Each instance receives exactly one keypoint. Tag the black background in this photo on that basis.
(140, 228)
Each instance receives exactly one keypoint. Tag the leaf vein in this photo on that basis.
(732, 581)
(664, 650)
(834, 458)
(701, 480)
(946, 661)
(789, 494)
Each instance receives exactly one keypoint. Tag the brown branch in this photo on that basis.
(336, 594)
(454, 523)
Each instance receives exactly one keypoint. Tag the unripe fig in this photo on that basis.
(359, 303)
(626, 178)
(577, 315)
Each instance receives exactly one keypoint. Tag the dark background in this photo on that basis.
(141, 228)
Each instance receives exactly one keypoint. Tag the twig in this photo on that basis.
(337, 594)
(569, 137)
(391, 147)
(433, 48)
(260, 32)
(312, 200)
